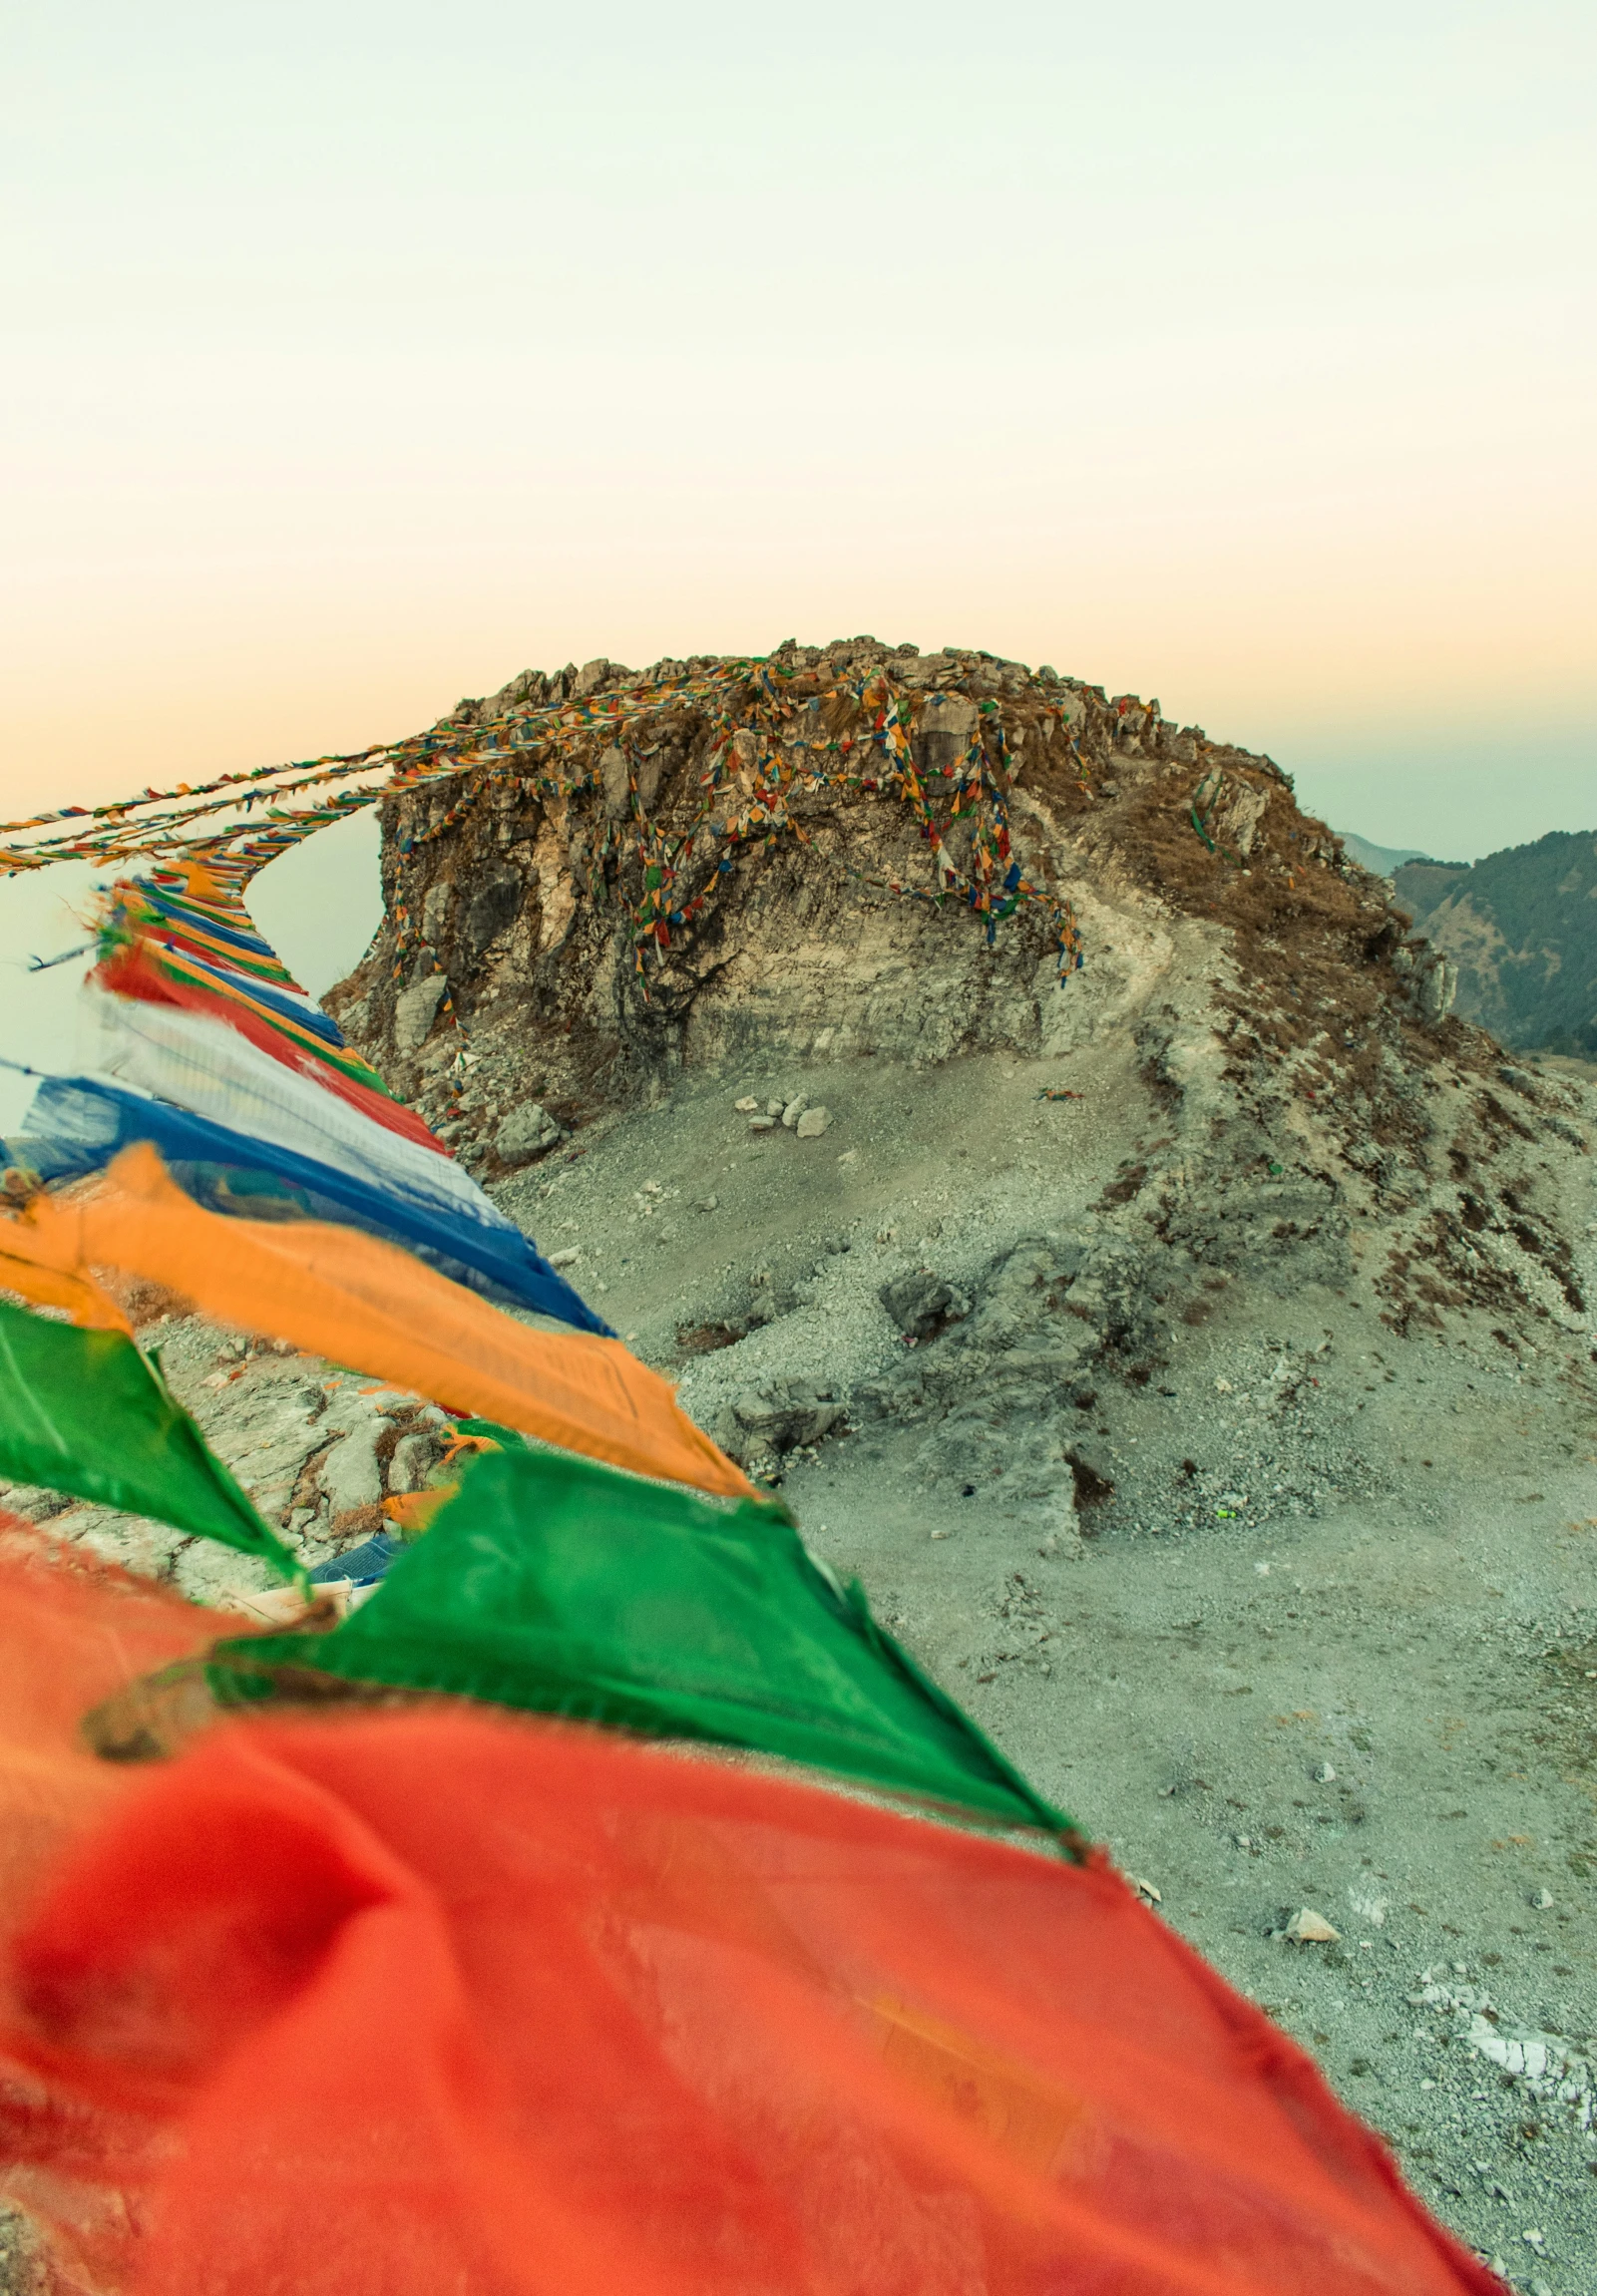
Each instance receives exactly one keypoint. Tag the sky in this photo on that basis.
(357, 356)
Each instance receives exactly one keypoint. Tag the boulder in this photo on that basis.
(412, 1462)
(351, 1475)
(921, 1304)
(525, 1133)
(415, 1010)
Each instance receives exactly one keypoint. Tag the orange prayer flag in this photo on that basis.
(340, 1293)
(42, 1286)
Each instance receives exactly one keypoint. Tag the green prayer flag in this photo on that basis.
(557, 1585)
(86, 1412)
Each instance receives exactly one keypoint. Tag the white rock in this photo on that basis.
(351, 1475)
(774, 1107)
(762, 1123)
(747, 1105)
(794, 1110)
(1542, 1901)
(1311, 1928)
(415, 1010)
(1145, 1889)
(709, 1203)
(566, 1259)
(1325, 1775)
(812, 1123)
(612, 773)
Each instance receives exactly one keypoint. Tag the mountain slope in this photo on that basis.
(1521, 927)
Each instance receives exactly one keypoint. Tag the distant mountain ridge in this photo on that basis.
(1521, 927)
(1379, 860)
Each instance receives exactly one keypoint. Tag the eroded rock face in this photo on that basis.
(804, 907)
(714, 864)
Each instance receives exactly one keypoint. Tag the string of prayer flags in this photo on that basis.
(79, 1125)
(791, 733)
(252, 1094)
(132, 973)
(218, 1111)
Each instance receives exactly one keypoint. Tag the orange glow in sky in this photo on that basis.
(359, 357)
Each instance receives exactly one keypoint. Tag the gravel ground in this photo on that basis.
(1309, 1624)
(1329, 1642)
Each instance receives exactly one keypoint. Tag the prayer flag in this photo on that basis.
(552, 1584)
(86, 1412)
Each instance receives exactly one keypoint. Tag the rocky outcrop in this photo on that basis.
(713, 862)
(728, 861)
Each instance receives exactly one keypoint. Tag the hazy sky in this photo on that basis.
(358, 356)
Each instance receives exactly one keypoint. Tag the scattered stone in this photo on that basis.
(793, 1111)
(709, 1203)
(566, 1259)
(747, 1105)
(1325, 1775)
(762, 1123)
(525, 1133)
(1310, 1928)
(1542, 1901)
(774, 1107)
(764, 1423)
(813, 1123)
(1145, 1889)
(922, 1305)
